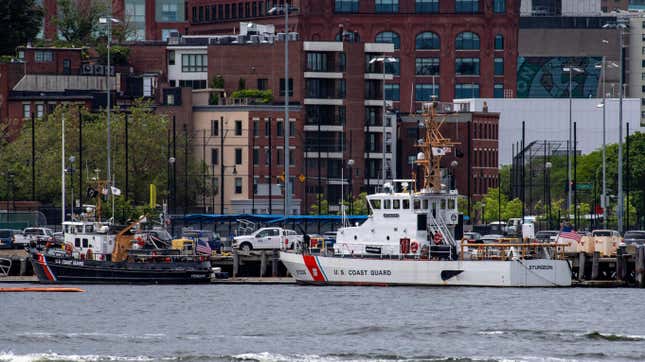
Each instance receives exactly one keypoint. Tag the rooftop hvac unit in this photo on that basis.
(99, 69)
(87, 69)
(241, 39)
(225, 40)
(214, 41)
(281, 36)
(254, 39)
(293, 36)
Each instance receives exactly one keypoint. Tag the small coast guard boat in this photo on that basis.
(93, 254)
(408, 239)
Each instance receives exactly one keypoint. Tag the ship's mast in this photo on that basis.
(432, 148)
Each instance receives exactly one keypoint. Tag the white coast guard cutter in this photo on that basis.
(408, 240)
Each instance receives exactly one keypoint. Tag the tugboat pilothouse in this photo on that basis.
(409, 239)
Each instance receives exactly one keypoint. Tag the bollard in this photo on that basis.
(581, 265)
(263, 264)
(236, 263)
(594, 265)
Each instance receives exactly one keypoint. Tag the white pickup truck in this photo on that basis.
(38, 234)
(267, 238)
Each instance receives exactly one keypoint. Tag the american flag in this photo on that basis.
(203, 247)
(572, 235)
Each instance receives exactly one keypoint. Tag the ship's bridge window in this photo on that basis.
(451, 204)
(396, 204)
(85, 243)
(417, 204)
(425, 204)
(443, 204)
(376, 204)
(77, 242)
(387, 204)
(406, 204)
(68, 228)
(89, 228)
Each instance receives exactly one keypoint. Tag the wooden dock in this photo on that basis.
(625, 269)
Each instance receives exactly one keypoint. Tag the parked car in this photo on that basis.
(40, 235)
(6, 238)
(212, 238)
(268, 238)
(491, 238)
(636, 237)
(472, 237)
(546, 236)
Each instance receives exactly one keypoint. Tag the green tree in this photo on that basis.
(324, 206)
(359, 205)
(20, 22)
(78, 20)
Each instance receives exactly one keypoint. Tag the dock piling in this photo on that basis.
(594, 265)
(274, 263)
(23, 266)
(581, 265)
(236, 263)
(640, 266)
(263, 264)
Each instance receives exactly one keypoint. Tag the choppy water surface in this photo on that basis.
(295, 323)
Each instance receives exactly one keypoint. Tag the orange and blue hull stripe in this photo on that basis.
(313, 266)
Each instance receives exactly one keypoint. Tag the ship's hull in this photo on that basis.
(63, 270)
(352, 270)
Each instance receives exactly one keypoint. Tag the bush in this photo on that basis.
(263, 96)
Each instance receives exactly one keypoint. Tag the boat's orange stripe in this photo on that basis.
(314, 269)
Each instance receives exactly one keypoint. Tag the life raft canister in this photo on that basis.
(414, 246)
(89, 255)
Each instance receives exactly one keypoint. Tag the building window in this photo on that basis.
(166, 33)
(194, 84)
(387, 6)
(256, 180)
(499, 42)
(292, 128)
(191, 63)
(467, 41)
(292, 157)
(282, 87)
(238, 185)
(427, 40)
(43, 56)
(499, 66)
(466, 6)
(256, 156)
(467, 66)
(26, 110)
(427, 6)
(392, 92)
(499, 6)
(171, 57)
(256, 127)
(215, 127)
(214, 156)
(263, 84)
(267, 156)
(389, 37)
(466, 91)
(346, 6)
(267, 127)
(135, 14)
(498, 90)
(425, 92)
(427, 66)
(279, 155)
(238, 128)
(238, 156)
(279, 129)
(170, 10)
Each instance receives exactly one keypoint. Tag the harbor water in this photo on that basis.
(298, 323)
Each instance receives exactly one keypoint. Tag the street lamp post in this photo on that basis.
(547, 167)
(603, 200)
(71, 170)
(383, 60)
(621, 25)
(570, 70)
(108, 20)
(350, 182)
(286, 9)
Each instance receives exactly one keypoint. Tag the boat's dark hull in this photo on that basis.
(63, 270)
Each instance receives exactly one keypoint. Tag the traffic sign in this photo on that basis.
(584, 186)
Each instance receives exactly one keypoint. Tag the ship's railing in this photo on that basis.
(509, 251)
(438, 223)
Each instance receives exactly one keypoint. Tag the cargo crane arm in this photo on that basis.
(122, 241)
